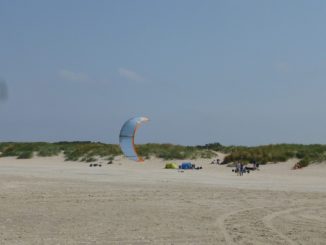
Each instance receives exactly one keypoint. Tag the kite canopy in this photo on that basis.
(127, 135)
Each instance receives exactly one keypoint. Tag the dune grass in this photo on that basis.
(170, 151)
(306, 154)
(73, 151)
(89, 151)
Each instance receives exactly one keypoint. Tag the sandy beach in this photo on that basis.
(114, 82)
(52, 201)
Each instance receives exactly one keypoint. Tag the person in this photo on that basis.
(237, 168)
(241, 169)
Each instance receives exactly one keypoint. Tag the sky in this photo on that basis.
(235, 72)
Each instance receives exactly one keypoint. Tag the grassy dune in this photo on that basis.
(88, 151)
(307, 154)
(73, 151)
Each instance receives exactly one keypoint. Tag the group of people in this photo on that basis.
(239, 168)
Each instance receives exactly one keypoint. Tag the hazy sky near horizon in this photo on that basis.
(234, 72)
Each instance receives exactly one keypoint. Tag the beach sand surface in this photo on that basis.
(52, 201)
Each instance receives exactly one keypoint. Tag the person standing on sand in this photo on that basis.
(241, 169)
(237, 168)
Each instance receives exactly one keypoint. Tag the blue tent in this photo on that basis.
(186, 165)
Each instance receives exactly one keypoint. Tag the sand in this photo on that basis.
(50, 201)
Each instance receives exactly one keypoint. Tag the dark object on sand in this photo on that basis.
(91, 165)
(188, 165)
(253, 166)
(244, 171)
(216, 162)
(100, 165)
(110, 162)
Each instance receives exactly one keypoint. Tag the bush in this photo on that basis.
(25, 155)
(8, 151)
(303, 163)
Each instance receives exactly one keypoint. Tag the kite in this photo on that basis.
(127, 136)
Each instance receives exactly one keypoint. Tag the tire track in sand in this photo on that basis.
(221, 224)
(268, 222)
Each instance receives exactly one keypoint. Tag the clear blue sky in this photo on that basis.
(235, 72)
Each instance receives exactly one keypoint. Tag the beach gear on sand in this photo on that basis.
(186, 165)
(171, 166)
(127, 135)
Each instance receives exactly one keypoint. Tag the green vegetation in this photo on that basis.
(20, 150)
(73, 151)
(25, 155)
(89, 151)
(273, 153)
(169, 151)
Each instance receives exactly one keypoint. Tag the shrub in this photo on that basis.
(25, 155)
(303, 163)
